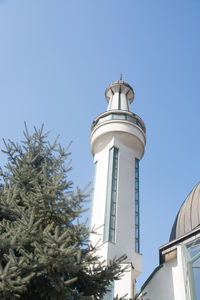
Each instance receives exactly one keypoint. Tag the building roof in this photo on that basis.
(188, 217)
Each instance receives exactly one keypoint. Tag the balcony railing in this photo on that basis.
(118, 116)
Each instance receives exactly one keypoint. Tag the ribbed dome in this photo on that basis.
(188, 217)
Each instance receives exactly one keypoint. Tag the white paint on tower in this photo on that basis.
(117, 144)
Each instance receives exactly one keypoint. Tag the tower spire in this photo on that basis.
(119, 95)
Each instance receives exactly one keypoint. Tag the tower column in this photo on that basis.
(117, 144)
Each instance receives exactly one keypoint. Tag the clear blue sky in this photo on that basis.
(58, 56)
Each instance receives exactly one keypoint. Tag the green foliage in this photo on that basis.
(44, 249)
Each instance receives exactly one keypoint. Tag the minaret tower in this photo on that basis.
(117, 144)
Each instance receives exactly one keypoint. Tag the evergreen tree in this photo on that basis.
(44, 250)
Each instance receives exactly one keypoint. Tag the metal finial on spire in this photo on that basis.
(121, 76)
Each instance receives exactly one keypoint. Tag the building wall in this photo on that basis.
(125, 213)
(126, 286)
(167, 283)
(130, 141)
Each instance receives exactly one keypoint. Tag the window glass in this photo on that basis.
(136, 219)
(137, 184)
(193, 268)
(137, 228)
(110, 213)
(196, 278)
(131, 119)
(137, 163)
(137, 248)
(119, 116)
(111, 235)
(136, 206)
(194, 247)
(113, 209)
(95, 175)
(196, 263)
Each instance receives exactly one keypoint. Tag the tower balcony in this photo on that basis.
(119, 115)
(123, 125)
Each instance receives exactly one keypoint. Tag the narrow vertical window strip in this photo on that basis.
(95, 174)
(137, 215)
(119, 101)
(113, 196)
(110, 211)
(108, 195)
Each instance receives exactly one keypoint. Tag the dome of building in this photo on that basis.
(188, 217)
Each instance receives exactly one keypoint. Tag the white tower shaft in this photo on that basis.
(117, 143)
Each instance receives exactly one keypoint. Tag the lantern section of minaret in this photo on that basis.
(117, 143)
